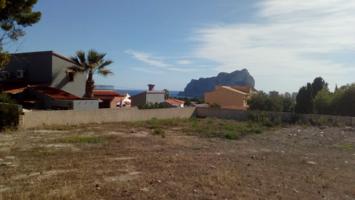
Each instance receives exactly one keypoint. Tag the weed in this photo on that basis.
(347, 147)
(159, 131)
(209, 127)
(231, 135)
(82, 139)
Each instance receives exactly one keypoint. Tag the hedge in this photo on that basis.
(9, 115)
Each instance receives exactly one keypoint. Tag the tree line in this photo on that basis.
(313, 98)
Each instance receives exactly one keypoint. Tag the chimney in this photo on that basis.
(151, 87)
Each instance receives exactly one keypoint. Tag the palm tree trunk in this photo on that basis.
(90, 84)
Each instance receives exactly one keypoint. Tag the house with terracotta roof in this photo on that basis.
(229, 97)
(175, 103)
(43, 80)
(44, 68)
(108, 98)
(44, 97)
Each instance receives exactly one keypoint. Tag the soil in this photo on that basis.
(132, 163)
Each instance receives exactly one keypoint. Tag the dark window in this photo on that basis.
(70, 76)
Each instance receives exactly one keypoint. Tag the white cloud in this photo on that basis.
(144, 70)
(148, 59)
(158, 62)
(280, 49)
(184, 62)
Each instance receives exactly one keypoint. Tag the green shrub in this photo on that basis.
(154, 106)
(347, 147)
(271, 102)
(159, 131)
(264, 118)
(231, 135)
(9, 115)
(4, 98)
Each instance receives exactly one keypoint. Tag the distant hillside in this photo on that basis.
(196, 88)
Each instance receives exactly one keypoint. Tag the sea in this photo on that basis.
(135, 92)
(131, 92)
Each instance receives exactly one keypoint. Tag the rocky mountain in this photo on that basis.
(196, 88)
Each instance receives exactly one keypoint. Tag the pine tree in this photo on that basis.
(14, 16)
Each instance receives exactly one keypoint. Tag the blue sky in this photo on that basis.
(283, 43)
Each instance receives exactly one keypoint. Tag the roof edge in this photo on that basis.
(53, 53)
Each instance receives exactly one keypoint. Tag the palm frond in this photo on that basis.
(95, 58)
(76, 60)
(81, 57)
(104, 64)
(104, 72)
(77, 68)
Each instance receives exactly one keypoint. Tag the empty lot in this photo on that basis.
(178, 159)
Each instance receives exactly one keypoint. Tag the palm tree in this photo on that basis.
(91, 63)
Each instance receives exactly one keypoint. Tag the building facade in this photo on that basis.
(227, 97)
(45, 68)
(150, 96)
(108, 98)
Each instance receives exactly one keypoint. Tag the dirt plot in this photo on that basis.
(175, 160)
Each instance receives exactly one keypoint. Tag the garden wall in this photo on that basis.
(34, 119)
(288, 117)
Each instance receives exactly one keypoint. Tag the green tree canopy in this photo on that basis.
(271, 102)
(344, 101)
(306, 95)
(304, 100)
(323, 102)
(166, 94)
(14, 16)
(318, 85)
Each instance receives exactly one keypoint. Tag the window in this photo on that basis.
(20, 74)
(70, 76)
(4, 75)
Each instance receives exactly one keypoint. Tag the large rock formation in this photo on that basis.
(196, 88)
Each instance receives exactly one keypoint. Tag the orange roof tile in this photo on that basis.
(245, 89)
(174, 102)
(54, 93)
(13, 88)
(100, 93)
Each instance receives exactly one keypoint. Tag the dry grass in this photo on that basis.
(177, 159)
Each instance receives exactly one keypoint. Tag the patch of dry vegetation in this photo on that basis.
(178, 159)
(80, 139)
(228, 129)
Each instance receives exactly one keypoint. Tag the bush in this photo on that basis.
(340, 102)
(154, 106)
(271, 102)
(323, 102)
(159, 131)
(9, 115)
(266, 119)
(231, 135)
(344, 101)
(4, 98)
